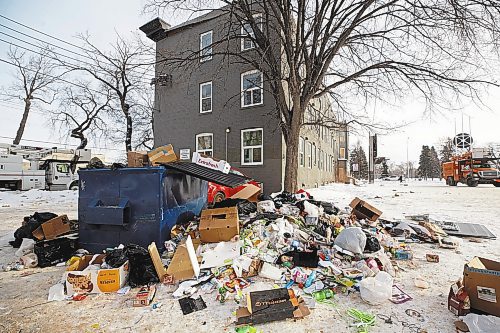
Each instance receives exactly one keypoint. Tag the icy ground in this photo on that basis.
(24, 307)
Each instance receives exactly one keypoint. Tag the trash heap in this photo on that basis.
(308, 251)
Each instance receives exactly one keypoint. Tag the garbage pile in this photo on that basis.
(309, 251)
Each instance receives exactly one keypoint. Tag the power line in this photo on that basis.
(53, 37)
(53, 77)
(60, 143)
(54, 58)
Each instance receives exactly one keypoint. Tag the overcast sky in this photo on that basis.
(101, 19)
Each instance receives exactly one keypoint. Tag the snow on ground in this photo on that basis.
(23, 305)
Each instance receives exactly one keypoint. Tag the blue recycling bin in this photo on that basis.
(135, 205)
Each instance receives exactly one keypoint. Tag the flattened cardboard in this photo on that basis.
(181, 266)
(95, 281)
(137, 159)
(219, 224)
(249, 192)
(364, 210)
(155, 257)
(163, 154)
(482, 283)
(52, 228)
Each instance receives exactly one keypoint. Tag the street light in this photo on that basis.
(228, 130)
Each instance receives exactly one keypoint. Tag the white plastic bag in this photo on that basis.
(56, 292)
(27, 246)
(482, 323)
(266, 206)
(376, 290)
(351, 239)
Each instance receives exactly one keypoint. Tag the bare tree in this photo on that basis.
(353, 51)
(82, 113)
(34, 82)
(120, 71)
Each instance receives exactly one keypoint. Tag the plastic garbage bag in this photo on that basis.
(266, 206)
(482, 323)
(142, 270)
(245, 207)
(376, 290)
(351, 239)
(31, 223)
(115, 258)
(311, 210)
(27, 246)
(56, 292)
(372, 244)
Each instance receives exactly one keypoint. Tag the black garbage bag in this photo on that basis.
(328, 207)
(31, 223)
(142, 270)
(245, 207)
(95, 163)
(372, 244)
(116, 258)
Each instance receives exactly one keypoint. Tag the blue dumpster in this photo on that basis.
(135, 205)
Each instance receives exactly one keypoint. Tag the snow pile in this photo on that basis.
(36, 197)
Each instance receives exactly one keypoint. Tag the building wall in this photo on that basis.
(178, 119)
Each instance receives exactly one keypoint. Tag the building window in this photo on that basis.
(206, 97)
(301, 152)
(309, 154)
(248, 35)
(205, 144)
(252, 86)
(342, 153)
(252, 146)
(315, 152)
(206, 46)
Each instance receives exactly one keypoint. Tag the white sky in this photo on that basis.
(101, 19)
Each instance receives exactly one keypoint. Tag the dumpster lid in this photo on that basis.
(230, 180)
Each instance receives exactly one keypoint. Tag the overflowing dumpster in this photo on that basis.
(135, 205)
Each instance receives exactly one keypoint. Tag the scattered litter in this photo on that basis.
(189, 305)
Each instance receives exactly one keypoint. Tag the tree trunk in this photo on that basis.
(22, 124)
(128, 137)
(291, 163)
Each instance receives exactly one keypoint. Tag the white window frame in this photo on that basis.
(261, 146)
(204, 57)
(246, 34)
(252, 89)
(202, 151)
(342, 153)
(309, 154)
(211, 96)
(301, 152)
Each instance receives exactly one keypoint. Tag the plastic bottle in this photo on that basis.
(323, 294)
(310, 279)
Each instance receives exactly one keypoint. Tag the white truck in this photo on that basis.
(25, 167)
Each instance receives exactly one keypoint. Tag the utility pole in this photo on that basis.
(371, 158)
(407, 159)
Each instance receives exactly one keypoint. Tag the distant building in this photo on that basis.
(227, 110)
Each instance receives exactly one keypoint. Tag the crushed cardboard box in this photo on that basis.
(219, 224)
(163, 154)
(363, 210)
(211, 163)
(57, 226)
(95, 280)
(482, 283)
(184, 264)
(249, 192)
(137, 159)
(145, 296)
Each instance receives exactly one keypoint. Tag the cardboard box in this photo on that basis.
(52, 228)
(184, 264)
(95, 281)
(137, 159)
(458, 299)
(271, 305)
(363, 210)
(249, 192)
(482, 283)
(163, 154)
(145, 296)
(211, 163)
(155, 257)
(219, 224)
